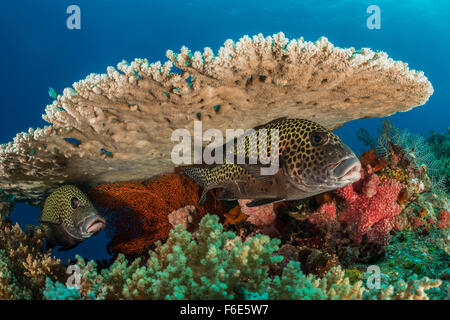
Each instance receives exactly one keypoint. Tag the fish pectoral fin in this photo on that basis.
(261, 202)
(255, 171)
(50, 243)
(202, 199)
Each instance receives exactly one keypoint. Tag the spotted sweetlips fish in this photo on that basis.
(311, 160)
(68, 217)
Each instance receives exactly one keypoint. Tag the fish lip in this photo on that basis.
(92, 225)
(346, 170)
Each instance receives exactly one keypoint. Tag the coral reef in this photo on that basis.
(138, 211)
(214, 264)
(184, 216)
(24, 265)
(207, 264)
(404, 233)
(371, 207)
(440, 145)
(116, 126)
(259, 216)
(424, 254)
(369, 212)
(405, 150)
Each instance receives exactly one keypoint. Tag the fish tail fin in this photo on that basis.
(202, 177)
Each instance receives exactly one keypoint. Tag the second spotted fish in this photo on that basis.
(67, 218)
(310, 160)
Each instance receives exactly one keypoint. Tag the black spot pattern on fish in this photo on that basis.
(305, 150)
(57, 207)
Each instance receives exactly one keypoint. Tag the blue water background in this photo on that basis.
(38, 51)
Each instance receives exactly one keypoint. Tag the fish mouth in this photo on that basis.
(92, 225)
(347, 170)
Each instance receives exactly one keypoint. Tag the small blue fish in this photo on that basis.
(52, 93)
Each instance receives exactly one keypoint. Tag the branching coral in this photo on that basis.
(118, 126)
(24, 265)
(205, 267)
(412, 289)
(138, 211)
(213, 264)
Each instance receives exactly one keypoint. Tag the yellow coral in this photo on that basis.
(397, 174)
(24, 265)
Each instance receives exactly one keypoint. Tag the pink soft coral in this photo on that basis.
(371, 207)
(443, 219)
(259, 216)
(325, 215)
(183, 216)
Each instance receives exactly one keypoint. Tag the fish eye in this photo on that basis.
(75, 203)
(318, 138)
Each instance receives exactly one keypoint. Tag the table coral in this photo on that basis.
(118, 126)
(137, 212)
